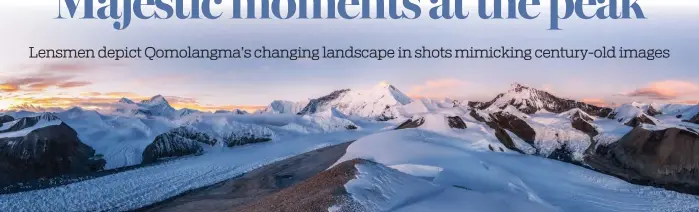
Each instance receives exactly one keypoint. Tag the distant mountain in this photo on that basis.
(42, 147)
(283, 106)
(378, 103)
(634, 114)
(530, 100)
(234, 111)
(156, 106)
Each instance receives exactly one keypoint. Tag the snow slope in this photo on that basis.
(140, 187)
(474, 180)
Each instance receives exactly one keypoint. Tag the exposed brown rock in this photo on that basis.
(500, 133)
(315, 194)
(255, 185)
(515, 125)
(456, 122)
(503, 137)
(666, 158)
(582, 122)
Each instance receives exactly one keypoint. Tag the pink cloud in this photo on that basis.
(666, 90)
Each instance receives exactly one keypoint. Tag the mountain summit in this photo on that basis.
(155, 106)
(379, 102)
(530, 100)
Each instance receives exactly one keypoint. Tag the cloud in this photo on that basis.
(6, 87)
(46, 76)
(73, 84)
(439, 88)
(666, 90)
(108, 101)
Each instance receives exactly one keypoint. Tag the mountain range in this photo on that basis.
(645, 144)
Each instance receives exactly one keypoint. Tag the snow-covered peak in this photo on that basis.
(155, 106)
(379, 102)
(516, 86)
(125, 100)
(530, 100)
(632, 115)
(24, 126)
(186, 111)
(386, 88)
(283, 106)
(156, 100)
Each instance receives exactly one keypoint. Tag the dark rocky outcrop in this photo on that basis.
(178, 142)
(640, 120)
(239, 139)
(694, 119)
(411, 123)
(351, 127)
(515, 125)
(386, 114)
(456, 122)
(540, 100)
(500, 133)
(583, 123)
(6, 118)
(45, 153)
(314, 104)
(651, 111)
(665, 158)
(563, 154)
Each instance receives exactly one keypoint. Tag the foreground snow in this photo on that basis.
(463, 179)
(141, 187)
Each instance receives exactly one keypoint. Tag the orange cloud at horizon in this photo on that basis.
(106, 101)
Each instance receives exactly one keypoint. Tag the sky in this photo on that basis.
(251, 84)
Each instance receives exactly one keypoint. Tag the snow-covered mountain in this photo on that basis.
(380, 103)
(530, 100)
(156, 106)
(42, 146)
(634, 114)
(283, 106)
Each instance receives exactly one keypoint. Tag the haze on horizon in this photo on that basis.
(250, 84)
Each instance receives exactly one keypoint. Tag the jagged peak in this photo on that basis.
(126, 101)
(47, 116)
(157, 99)
(517, 87)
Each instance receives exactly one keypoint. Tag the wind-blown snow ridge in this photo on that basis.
(474, 180)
